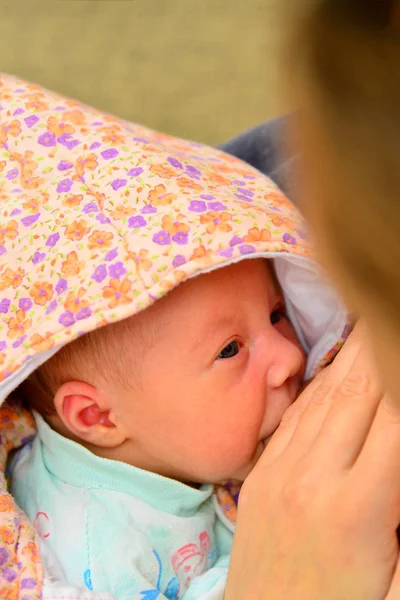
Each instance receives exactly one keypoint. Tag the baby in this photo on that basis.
(159, 311)
(186, 392)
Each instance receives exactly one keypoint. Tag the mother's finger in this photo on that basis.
(351, 414)
(378, 464)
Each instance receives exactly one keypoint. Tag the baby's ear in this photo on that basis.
(85, 411)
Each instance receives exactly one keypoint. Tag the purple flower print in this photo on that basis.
(162, 238)
(302, 234)
(61, 286)
(38, 257)
(110, 153)
(67, 319)
(141, 140)
(251, 177)
(68, 141)
(117, 270)
(18, 342)
(47, 139)
(13, 174)
(192, 171)
(64, 165)
(136, 222)
(8, 574)
(25, 303)
(118, 183)
(4, 305)
(28, 221)
(289, 239)
(100, 273)
(28, 583)
(31, 121)
(207, 197)
(235, 240)
(19, 111)
(238, 182)
(52, 240)
(197, 206)
(64, 186)
(178, 260)
(3, 556)
(16, 211)
(174, 162)
(111, 254)
(84, 313)
(51, 307)
(227, 253)
(3, 346)
(90, 207)
(2, 250)
(180, 238)
(241, 197)
(246, 249)
(95, 145)
(148, 210)
(246, 192)
(102, 219)
(135, 172)
(216, 206)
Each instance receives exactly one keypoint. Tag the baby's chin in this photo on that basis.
(241, 474)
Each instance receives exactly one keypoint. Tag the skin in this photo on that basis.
(228, 365)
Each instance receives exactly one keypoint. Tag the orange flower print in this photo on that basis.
(164, 171)
(39, 343)
(185, 182)
(257, 235)
(12, 128)
(32, 205)
(72, 200)
(74, 302)
(159, 197)
(28, 167)
(219, 179)
(281, 221)
(118, 292)
(216, 221)
(6, 535)
(74, 116)
(200, 253)
(58, 128)
(141, 259)
(11, 278)
(6, 504)
(100, 239)
(9, 231)
(7, 418)
(2, 361)
(113, 135)
(41, 292)
(36, 101)
(84, 163)
(173, 226)
(278, 200)
(2, 165)
(72, 266)
(18, 325)
(76, 230)
(121, 211)
(31, 549)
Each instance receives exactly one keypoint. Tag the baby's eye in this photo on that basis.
(229, 351)
(277, 315)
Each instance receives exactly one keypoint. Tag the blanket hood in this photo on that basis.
(101, 217)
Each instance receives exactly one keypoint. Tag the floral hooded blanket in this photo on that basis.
(98, 219)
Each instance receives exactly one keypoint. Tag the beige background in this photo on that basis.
(202, 69)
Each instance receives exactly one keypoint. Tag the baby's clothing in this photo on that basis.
(119, 529)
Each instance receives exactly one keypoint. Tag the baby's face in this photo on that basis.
(223, 366)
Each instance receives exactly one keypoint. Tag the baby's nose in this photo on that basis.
(287, 361)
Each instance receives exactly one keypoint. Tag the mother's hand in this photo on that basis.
(318, 515)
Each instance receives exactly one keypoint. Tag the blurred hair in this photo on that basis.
(346, 56)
